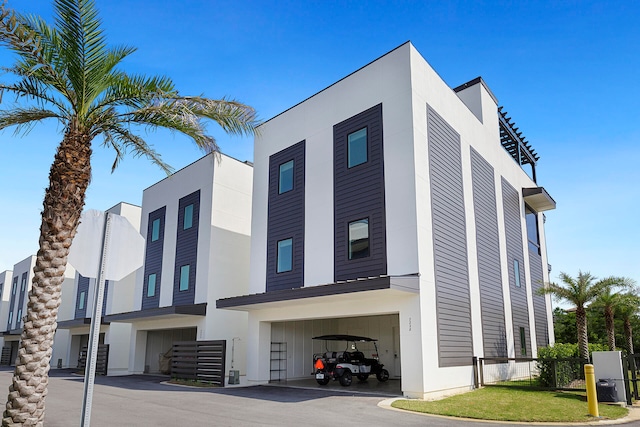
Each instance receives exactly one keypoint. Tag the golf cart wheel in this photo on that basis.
(346, 378)
(383, 375)
(363, 377)
(325, 380)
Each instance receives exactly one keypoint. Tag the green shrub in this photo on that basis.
(555, 372)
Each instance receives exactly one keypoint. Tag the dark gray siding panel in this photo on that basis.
(539, 305)
(453, 305)
(21, 302)
(83, 286)
(488, 248)
(358, 194)
(106, 294)
(12, 302)
(286, 219)
(513, 233)
(187, 250)
(153, 259)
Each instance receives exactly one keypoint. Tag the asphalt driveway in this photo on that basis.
(142, 400)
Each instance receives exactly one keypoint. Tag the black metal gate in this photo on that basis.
(199, 361)
(630, 366)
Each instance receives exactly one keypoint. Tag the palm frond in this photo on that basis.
(124, 141)
(84, 47)
(24, 118)
(233, 117)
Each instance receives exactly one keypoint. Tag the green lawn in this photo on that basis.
(513, 404)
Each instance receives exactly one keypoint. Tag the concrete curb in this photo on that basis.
(634, 415)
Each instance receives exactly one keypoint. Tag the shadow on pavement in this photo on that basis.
(296, 391)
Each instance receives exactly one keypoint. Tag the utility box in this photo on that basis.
(234, 377)
(606, 390)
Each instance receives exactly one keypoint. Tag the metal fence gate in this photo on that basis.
(199, 361)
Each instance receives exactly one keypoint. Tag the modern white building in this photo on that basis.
(197, 224)
(392, 206)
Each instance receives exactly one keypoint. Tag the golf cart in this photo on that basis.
(344, 365)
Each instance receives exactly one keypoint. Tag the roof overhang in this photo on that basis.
(12, 332)
(75, 323)
(169, 312)
(538, 199)
(400, 284)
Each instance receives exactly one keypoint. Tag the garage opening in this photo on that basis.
(159, 347)
(293, 349)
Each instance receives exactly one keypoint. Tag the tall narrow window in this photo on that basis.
(81, 302)
(151, 285)
(285, 255)
(285, 177)
(188, 216)
(359, 239)
(516, 272)
(533, 234)
(155, 230)
(357, 147)
(184, 277)
(523, 342)
(23, 284)
(11, 317)
(14, 287)
(19, 315)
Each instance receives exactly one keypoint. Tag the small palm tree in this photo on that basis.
(579, 291)
(66, 72)
(609, 301)
(626, 310)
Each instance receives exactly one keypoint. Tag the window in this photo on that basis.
(531, 218)
(155, 230)
(516, 272)
(151, 285)
(285, 180)
(188, 217)
(81, 301)
(523, 342)
(357, 147)
(14, 287)
(285, 256)
(184, 278)
(10, 316)
(23, 284)
(19, 318)
(359, 239)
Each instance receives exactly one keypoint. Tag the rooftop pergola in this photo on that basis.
(516, 144)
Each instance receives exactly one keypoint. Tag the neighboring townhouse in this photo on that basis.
(76, 309)
(196, 223)
(5, 295)
(389, 205)
(15, 286)
(19, 287)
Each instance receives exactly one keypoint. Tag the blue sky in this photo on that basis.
(567, 73)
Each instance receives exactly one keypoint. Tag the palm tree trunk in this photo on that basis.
(63, 202)
(581, 324)
(628, 334)
(611, 333)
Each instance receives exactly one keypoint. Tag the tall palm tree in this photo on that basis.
(626, 310)
(609, 301)
(579, 291)
(66, 72)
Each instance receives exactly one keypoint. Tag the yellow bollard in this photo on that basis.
(592, 396)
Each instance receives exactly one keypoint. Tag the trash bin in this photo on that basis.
(606, 390)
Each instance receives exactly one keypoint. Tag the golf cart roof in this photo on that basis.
(343, 338)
